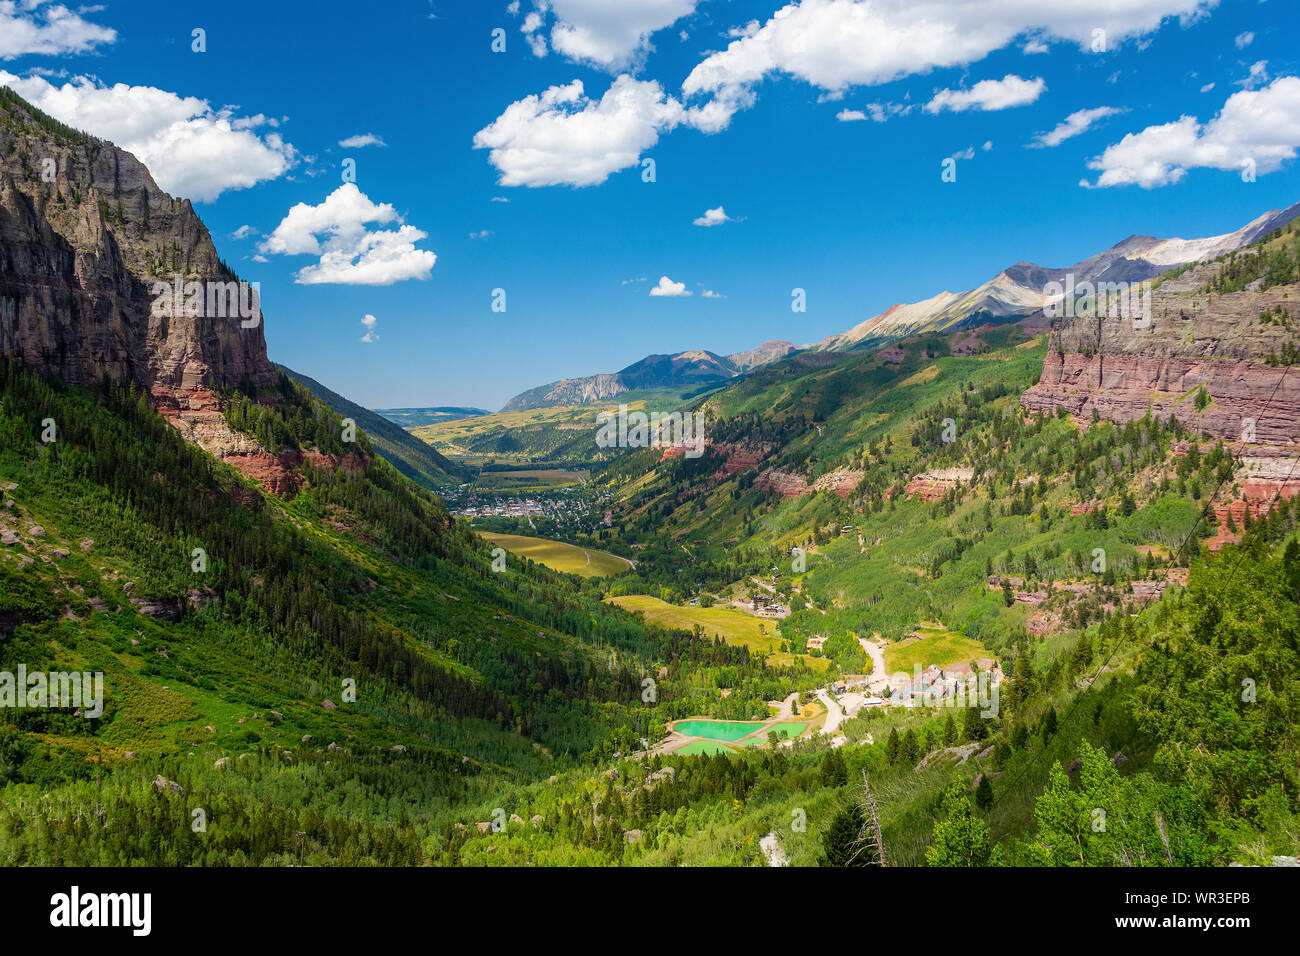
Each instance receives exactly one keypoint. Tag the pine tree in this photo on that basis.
(984, 793)
(1049, 723)
(840, 839)
(907, 749)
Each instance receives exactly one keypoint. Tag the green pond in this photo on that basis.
(703, 747)
(718, 729)
(733, 730)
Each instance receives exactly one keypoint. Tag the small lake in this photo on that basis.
(732, 731)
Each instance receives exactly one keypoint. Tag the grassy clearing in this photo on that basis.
(533, 479)
(937, 646)
(735, 627)
(558, 556)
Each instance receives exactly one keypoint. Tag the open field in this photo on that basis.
(760, 635)
(558, 556)
(937, 646)
(558, 433)
(531, 479)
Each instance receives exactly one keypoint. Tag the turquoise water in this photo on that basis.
(703, 747)
(718, 729)
(789, 729)
(733, 730)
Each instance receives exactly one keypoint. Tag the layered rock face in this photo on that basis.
(86, 239)
(1121, 369)
(1203, 359)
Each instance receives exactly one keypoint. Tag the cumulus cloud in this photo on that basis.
(369, 322)
(361, 140)
(1080, 121)
(190, 148)
(563, 137)
(1255, 126)
(710, 294)
(31, 26)
(713, 217)
(611, 36)
(350, 253)
(836, 44)
(850, 116)
(1244, 40)
(668, 288)
(988, 95)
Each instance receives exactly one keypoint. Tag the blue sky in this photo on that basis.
(853, 211)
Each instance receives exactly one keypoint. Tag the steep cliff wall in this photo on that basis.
(85, 234)
(1196, 341)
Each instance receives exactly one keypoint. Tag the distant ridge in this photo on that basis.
(403, 451)
(694, 366)
(433, 415)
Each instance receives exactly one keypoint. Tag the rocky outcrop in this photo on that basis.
(933, 485)
(1198, 356)
(789, 484)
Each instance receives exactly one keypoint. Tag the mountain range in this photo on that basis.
(1017, 292)
(692, 367)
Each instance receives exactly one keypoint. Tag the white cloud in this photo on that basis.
(667, 287)
(877, 112)
(634, 281)
(1262, 126)
(500, 199)
(562, 137)
(1244, 40)
(989, 95)
(1257, 76)
(1207, 87)
(481, 234)
(710, 294)
(243, 232)
(1080, 121)
(967, 153)
(191, 149)
(609, 35)
(32, 26)
(835, 44)
(350, 253)
(369, 322)
(362, 140)
(713, 217)
(1035, 45)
